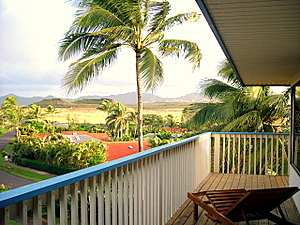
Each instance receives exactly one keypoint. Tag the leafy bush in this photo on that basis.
(124, 138)
(163, 134)
(55, 149)
(37, 126)
(95, 129)
(156, 141)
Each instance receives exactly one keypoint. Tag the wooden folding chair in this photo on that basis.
(228, 206)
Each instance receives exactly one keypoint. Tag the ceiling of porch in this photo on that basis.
(261, 38)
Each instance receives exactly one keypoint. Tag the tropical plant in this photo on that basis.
(156, 141)
(132, 119)
(13, 113)
(106, 105)
(34, 112)
(50, 109)
(102, 28)
(236, 108)
(57, 150)
(117, 120)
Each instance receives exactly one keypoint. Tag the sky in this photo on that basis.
(30, 32)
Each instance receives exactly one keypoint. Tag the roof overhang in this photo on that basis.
(260, 38)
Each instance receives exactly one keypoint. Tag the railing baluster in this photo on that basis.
(266, 154)
(5, 216)
(244, 154)
(23, 217)
(83, 201)
(260, 155)
(217, 153)
(63, 205)
(126, 195)
(223, 154)
(249, 153)
(135, 192)
(239, 154)
(74, 203)
(107, 198)
(121, 196)
(101, 208)
(93, 205)
(233, 153)
(51, 207)
(272, 146)
(37, 210)
(114, 196)
(282, 157)
(228, 153)
(255, 151)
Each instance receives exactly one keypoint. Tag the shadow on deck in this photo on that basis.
(184, 215)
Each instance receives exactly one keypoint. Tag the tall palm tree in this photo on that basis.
(236, 108)
(102, 28)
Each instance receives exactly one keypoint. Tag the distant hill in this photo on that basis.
(126, 99)
(25, 100)
(57, 102)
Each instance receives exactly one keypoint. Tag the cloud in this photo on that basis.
(29, 37)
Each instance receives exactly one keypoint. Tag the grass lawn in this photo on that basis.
(20, 172)
(17, 171)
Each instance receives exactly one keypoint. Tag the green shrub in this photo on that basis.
(163, 134)
(156, 141)
(55, 149)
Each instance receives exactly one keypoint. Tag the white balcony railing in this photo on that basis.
(145, 188)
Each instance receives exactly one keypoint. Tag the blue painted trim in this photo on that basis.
(31, 190)
(250, 133)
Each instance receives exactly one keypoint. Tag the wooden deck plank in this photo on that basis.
(184, 216)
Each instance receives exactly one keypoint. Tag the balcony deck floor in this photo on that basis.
(184, 215)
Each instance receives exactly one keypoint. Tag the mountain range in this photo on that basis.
(125, 99)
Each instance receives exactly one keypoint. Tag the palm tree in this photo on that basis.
(102, 28)
(237, 108)
(117, 120)
(105, 105)
(132, 119)
(13, 113)
(50, 109)
(35, 112)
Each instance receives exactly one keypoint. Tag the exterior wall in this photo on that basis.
(295, 181)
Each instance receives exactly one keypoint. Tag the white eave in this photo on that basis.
(261, 38)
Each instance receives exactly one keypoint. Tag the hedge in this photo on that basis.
(50, 168)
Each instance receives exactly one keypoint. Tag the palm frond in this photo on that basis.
(151, 70)
(81, 73)
(74, 44)
(120, 34)
(227, 73)
(180, 19)
(206, 114)
(214, 88)
(189, 50)
(156, 16)
(250, 122)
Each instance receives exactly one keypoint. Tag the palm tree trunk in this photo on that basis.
(140, 101)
